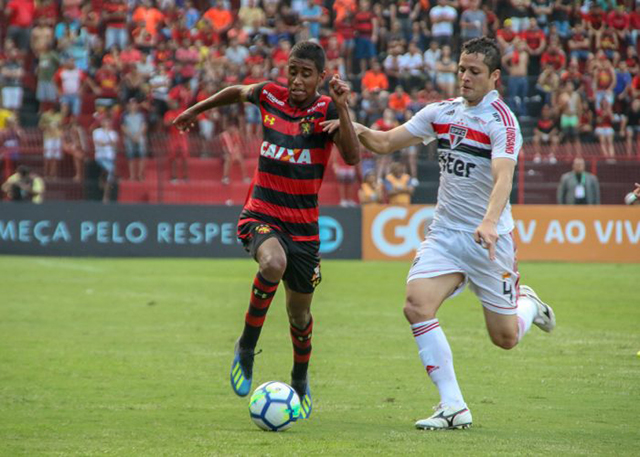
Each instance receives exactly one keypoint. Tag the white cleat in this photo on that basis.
(546, 318)
(446, 418)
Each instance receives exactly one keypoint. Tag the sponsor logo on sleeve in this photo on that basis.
(510, 144)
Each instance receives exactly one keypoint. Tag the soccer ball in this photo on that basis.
(274, 406)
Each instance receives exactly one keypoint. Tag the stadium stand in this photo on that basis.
(87, 59)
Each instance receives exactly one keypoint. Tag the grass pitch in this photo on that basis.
(131, 357)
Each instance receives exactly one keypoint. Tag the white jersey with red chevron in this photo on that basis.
(469, 137)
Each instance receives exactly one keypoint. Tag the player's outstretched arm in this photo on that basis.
(386, 142)
(227, 96)
(345, 137)
(486, 234)
(376, 140)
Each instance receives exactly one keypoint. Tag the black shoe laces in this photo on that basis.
(246, 361)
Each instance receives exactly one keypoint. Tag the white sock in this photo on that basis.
(527, 311)
(437, 359)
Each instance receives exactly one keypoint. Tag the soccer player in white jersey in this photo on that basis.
(470, 239)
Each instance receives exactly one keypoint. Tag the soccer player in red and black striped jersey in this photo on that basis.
(279, 222)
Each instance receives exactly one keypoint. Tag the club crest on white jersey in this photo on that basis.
(457, 133)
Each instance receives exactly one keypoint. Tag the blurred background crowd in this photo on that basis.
(69, 68)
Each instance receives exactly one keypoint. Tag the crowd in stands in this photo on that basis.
(134, 65)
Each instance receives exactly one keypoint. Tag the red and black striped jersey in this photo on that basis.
(293, 157)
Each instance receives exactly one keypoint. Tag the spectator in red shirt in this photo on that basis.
(388, 121)
(181, 94)
(180, 34)
(189, 56)
(634, 89)
(579, 44)
(71, 9)
(607, 41)
(108, 82)
(634, 27)
(178, 143)
(604, 129)
(163, 55)
(366, 28)
(114, 16)
(206, 34)
(130, 56)
(20, 14)
(604, 79)
(536, 43)
(47, 10)
(554, 56)
(595, 19)
(619, 20)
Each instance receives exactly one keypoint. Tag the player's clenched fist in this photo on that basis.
(339, 90)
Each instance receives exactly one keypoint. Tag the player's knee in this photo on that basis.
(504, 340)
(417, 311)
(273, 266)
(299, 318)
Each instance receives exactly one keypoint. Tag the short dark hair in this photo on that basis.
(486, 46)
(310, 51)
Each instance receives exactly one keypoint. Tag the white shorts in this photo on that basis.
(53, 148)
(495, 283)
(605, 131)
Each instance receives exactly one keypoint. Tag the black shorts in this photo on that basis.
(303, 258)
